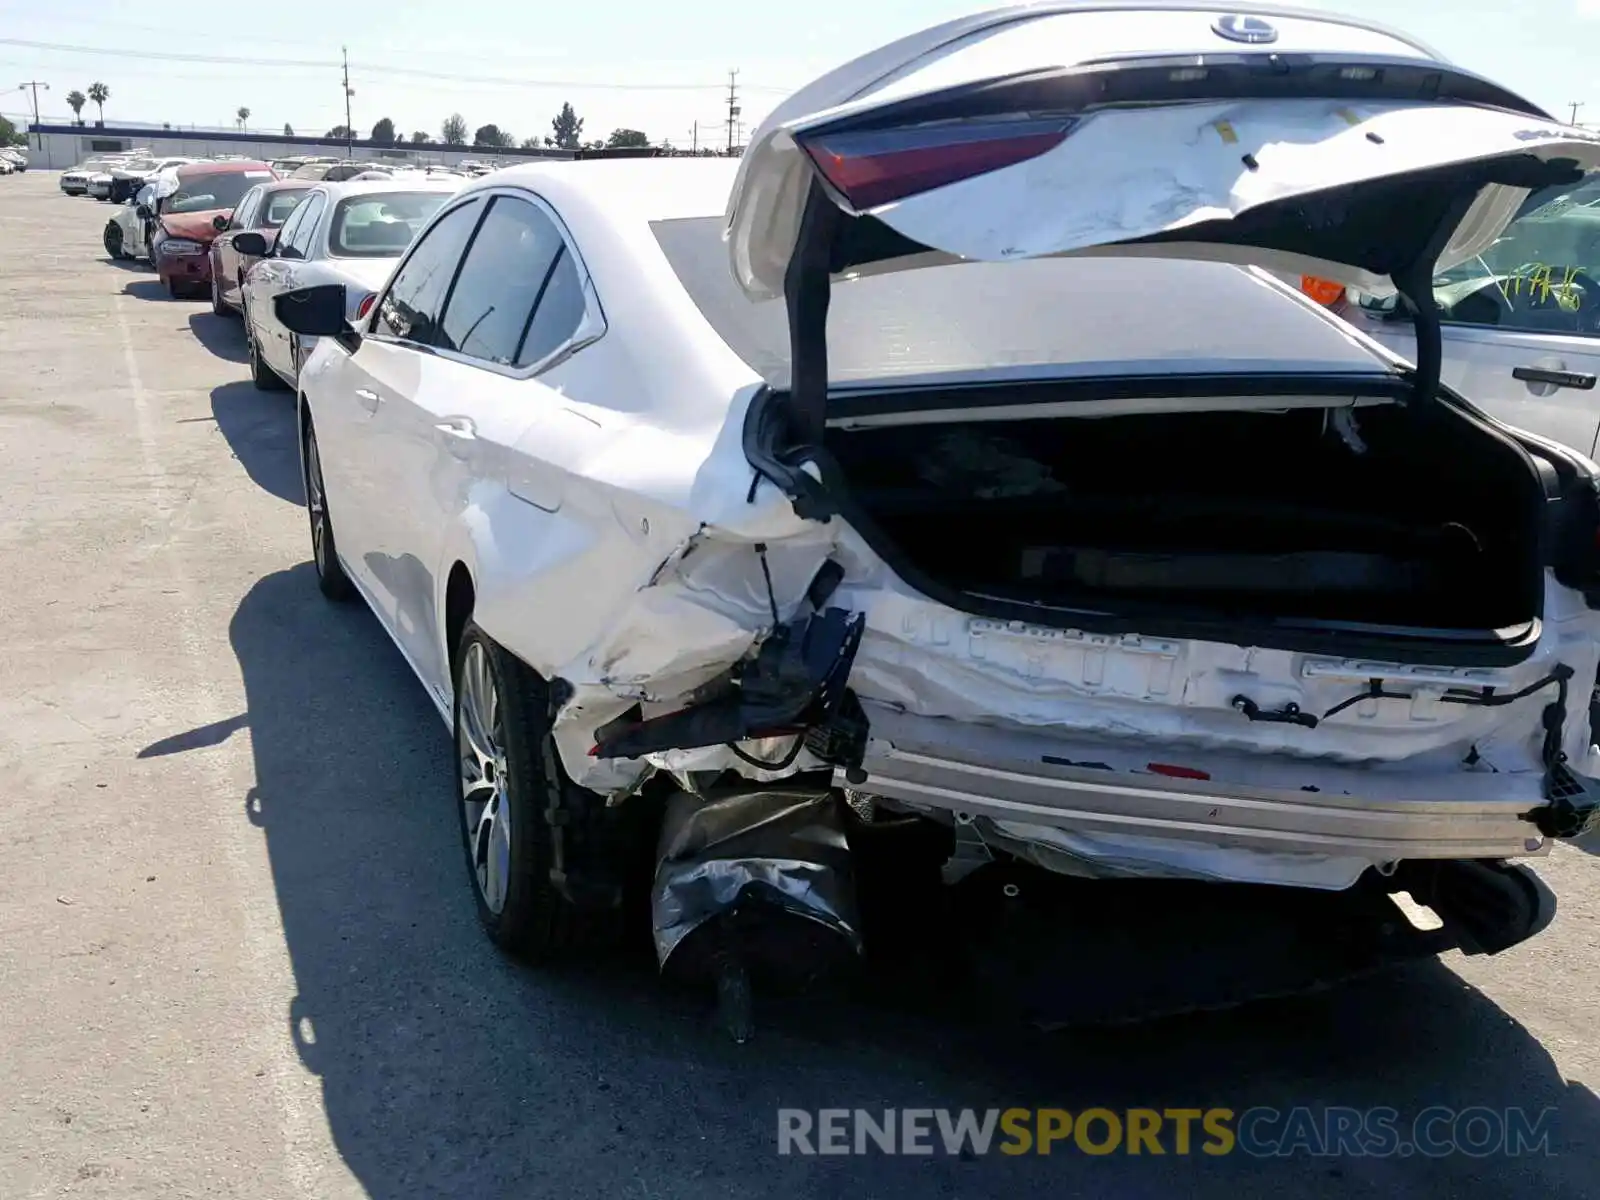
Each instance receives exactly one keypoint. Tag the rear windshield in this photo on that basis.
(279, 205)
(380, 224)
(214, 189)
(1043, 316)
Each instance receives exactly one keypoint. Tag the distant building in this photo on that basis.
(61, 146)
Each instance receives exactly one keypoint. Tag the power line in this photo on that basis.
(384, 68)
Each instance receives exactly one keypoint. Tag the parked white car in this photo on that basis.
(895, 472)
(15, 156)
(1521, 321)
(127, 233)
(349, 233)
(75, 180)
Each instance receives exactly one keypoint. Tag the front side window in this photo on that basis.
(245, 213)
(1539, 276)
(505, 282)
(410, 308)
(380, 224)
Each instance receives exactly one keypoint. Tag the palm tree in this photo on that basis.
(75, 101)
(100, 93)
(243, 114)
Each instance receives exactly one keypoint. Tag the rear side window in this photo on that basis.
(410, 308)
(495, 299)
(245, 214)
(1539, 276)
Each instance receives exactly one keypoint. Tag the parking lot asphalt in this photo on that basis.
(238, 954)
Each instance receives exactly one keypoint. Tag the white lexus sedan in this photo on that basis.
(904, 470)
(350, 234)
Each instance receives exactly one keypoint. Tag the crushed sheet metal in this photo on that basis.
(783, 847)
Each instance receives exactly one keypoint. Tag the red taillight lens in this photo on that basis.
(880, 166)
(366, 305)
(1176, 772)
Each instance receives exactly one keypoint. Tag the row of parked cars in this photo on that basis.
(963, 485)
(241, 232)
(13, 161)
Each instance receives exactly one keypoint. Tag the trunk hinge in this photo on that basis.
(1415, 284)
(807, 290)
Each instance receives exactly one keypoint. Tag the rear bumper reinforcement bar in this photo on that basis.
(1266, 819)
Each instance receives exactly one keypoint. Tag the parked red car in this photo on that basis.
(180, 247)
(264, 209)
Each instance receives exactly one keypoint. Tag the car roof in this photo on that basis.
(342, 189)
(191, 169)
(636, 189)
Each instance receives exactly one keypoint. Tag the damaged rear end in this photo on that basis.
(1124, 569)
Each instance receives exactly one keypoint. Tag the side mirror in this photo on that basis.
(143, 210)
(250, 243)
(219, 222)
(316, 312)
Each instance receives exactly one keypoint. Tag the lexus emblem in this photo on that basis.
(1251, 30)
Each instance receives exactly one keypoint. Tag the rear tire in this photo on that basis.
(546, 857)
(218, 305)
(331, 579)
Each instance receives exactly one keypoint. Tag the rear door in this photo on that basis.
(1522, 320)
(517, 304)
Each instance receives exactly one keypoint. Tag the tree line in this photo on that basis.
(566, 133)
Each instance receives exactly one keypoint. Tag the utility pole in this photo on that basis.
(1575, 105)
(349, 134)
(694, 138)
(35, 85)
(733, 107)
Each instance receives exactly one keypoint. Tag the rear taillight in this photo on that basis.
(366, 305)
(874, 167)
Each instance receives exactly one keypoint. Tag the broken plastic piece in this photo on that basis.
(796, 681)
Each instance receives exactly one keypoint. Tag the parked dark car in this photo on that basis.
(263, 209)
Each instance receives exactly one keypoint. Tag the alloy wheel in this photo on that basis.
(316, 506)
(485, 804)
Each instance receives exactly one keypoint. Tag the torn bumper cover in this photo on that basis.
(742, 859)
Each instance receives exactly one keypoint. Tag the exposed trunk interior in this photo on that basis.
(1381, 516)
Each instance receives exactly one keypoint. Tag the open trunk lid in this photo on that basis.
(1272, 137)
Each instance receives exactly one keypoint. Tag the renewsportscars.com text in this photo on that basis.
(1261, 1132)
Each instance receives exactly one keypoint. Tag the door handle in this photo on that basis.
(458, 427)
(368, 398)
(459, 435)
(1581, 380)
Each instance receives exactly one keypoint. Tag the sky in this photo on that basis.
(661, 68)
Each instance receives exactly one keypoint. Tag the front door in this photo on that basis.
(450, 437)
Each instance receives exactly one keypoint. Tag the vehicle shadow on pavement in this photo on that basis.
(145, 289)
(223, 336)
(260, 430)
(447, 1070)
